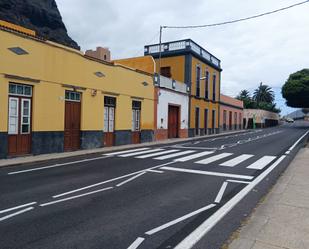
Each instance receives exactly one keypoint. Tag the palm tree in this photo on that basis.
(243, 95)
(264, 93)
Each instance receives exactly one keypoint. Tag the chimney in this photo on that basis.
(100, 53)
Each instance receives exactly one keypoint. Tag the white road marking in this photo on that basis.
(110, 180)
(209, 173)
(156, 154)
(221, 192)
(173, 222)
(130, 179)
(194, 156)
(136, 243)
(175, 155)
(296, 143)
(262, 163)
(193, 148)
(17, 207)
(56, 165)
(214, 158)
(74, 197)
(235, 181)
(17, 213)
(140, 153)
(125, 151)
(155, 171)
(237, 160)
(208, 224)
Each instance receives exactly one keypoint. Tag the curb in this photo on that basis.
(47, 157)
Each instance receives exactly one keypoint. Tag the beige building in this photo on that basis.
(261, 118)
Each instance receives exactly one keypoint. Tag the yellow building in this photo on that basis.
(186, 61)
(54, 98)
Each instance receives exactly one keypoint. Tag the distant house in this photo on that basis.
(261, 118)
(298, 115)
(231, 113)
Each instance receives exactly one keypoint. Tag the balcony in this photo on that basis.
(168, 83)
(184, 46)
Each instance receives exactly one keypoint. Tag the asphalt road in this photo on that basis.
(182, 195)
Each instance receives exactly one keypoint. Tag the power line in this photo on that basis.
(237, 20)
(150, 41)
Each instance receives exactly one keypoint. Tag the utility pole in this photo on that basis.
(160, 49)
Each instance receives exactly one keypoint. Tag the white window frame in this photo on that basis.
(109, 119)
(136, 119)
(25, 116)
(13, 116)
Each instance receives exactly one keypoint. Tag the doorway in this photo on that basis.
(173, 121)
(72, 121)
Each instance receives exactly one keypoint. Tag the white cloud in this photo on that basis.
(266, 49)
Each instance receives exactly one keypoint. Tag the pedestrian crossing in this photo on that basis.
(224, 159)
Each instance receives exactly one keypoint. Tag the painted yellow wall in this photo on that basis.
(55, 66)
(211, 71)
(17, 28)
(177, 64)
(144, 63)
(203, 105)
(3, 103)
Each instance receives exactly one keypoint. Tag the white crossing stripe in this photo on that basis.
(237, 160)
(262, 163)
(175, 155)
(125, 151)
(140, 153)
(214, 158)
(157, 154)
(194, 156)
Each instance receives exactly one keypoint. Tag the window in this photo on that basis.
(72, 96)
(235, 120)
(25, 116)
(224, 119)
(207, 85)
(166, 72)
(198, 81)
(13, 115)
(136, 115)
(20, 90)
(109, 114)
(214, 87)
(206, 121)
(213, 119)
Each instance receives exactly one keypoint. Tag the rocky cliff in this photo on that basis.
(42, 16)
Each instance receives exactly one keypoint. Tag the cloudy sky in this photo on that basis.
(264, 50)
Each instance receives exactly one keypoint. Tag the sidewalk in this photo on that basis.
(282, 219)
(46, 157)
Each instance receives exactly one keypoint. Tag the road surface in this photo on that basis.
(184, 195)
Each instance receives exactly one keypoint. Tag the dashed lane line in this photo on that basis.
(136, 243)
(130, 179)
(221, 192)
(17, 213)
(180, 219)
(17, 207)
(74, 197)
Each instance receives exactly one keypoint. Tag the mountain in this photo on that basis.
(42, 16)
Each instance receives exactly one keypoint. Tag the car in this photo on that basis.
(289, 120)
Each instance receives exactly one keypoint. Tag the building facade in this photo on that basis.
(54, 98)
(257, 118)
(186, 61)
(231, 113)
(171, 97)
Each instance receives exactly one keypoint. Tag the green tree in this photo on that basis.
(264, 93)
(296, 89)
(244, 96)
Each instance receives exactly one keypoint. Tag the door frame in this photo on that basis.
(19, 134)
(178, 119)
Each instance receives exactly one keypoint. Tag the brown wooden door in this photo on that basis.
(136, 137)
(72, 126)
(109, 138)
(19, 126)
(173, 121)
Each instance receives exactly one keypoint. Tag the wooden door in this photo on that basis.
(72, 126)
(19, 126)
(173, 122)
(109, 126)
